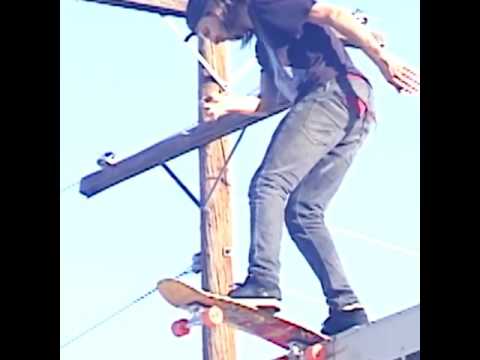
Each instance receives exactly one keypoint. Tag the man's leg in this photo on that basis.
(305, 222)
(312, 129)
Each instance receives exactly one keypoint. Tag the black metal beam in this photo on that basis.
(164, 151)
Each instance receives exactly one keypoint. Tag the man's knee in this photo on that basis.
(268, 184)
(298, 213)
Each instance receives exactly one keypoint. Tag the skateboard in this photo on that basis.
(211, 310)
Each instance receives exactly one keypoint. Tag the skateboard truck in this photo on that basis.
(299, 351)
(209, 317)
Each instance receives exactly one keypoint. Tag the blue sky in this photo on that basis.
(128, 82)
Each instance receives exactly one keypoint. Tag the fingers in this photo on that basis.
(404, 85)
(411, 74)
(208, 111)
(402, 77)
(406, 80)
(211, 106)
(209, 115)
(207, 104)
(213, 98)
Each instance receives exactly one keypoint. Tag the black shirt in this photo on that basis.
(312, 47)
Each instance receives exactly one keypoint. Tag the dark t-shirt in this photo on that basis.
(314, 48)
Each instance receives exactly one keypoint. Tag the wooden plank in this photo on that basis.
(163, 7)
(165, 150)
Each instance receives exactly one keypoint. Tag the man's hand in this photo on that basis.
(214, 106)
(217, 105)
(400, 76)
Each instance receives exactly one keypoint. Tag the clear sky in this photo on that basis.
(127, 82)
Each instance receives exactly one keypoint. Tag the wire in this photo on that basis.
(107, 319)
(380, 243)
(68, 187)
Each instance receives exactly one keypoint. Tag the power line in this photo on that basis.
(380, 243)
(195, 267)
(107, 319)
(68, 187)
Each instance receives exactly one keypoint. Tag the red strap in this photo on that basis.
(360, 105)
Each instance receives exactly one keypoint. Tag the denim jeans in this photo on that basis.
(305, 163)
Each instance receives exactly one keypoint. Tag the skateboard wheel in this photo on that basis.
(212, 317)
(315, 352)
(181, 328)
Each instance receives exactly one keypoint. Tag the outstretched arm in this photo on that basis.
(362, 18)
(351, 43)
(400, 76)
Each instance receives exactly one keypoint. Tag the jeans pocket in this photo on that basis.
(324, 121)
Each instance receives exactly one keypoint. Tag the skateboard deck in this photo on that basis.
(210, 310)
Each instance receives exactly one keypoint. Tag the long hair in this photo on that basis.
(229, 10)
(226, 10)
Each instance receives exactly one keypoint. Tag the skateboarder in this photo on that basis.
(304, 61)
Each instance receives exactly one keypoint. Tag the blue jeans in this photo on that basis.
(306, 160)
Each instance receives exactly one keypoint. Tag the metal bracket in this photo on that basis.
(217, 180)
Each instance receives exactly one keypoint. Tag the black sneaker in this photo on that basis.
(341, 320)
(259, 294)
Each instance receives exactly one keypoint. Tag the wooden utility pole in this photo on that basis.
(216, 225)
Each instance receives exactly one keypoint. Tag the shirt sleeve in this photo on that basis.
(286, 16)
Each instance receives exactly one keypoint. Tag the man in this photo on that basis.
(303, 61)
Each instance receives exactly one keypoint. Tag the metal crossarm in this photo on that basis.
(165, 150)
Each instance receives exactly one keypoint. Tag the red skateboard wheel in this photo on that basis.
(315, 352)
(181, 328)
(212, 317)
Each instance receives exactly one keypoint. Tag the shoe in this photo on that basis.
(257, 293)
(341, 320)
